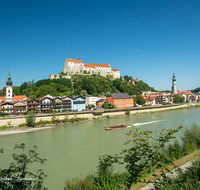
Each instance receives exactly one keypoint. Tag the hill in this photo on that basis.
(80, 85)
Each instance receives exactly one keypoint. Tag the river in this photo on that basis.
(73, 149)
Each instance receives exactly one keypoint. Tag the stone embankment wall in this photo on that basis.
(16, 120)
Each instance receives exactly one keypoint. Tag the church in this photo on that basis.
(11, 103)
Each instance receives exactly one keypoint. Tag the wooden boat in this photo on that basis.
(116, 127)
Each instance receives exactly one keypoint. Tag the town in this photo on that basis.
(12, 104)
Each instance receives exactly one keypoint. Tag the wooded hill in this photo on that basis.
(80, 85)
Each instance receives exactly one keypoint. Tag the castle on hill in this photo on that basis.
(76, 66)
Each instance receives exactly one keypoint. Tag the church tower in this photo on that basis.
(9, 83)
(174, 87)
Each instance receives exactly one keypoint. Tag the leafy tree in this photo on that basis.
(30, 119)
(3, 91)
(90, 106)
(139, 100)
(18, 172)
(178, 99)
(146, 149)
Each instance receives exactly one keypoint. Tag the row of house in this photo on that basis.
(155, 98)
(64, 103)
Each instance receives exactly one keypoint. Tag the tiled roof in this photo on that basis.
(150, 97)
(120, 96)
(89, 65)
(96, 65)
(115, 70)
(185, 92)
(75, 60)
(16, 98)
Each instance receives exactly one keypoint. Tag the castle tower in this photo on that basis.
(174, 87)
(9, 83)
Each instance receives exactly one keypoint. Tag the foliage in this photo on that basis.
(30, 119)
(54, 119)
(139, 100)
(142, 153)
(82, 84)
(191, 138)
(90, 106)
(107, 105)
(188, 180)
(82, 183)
(18, 172)
(175, 150)
(128, 111)
(178, 99)
(196, 90)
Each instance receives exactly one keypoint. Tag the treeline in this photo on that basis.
(80, 85)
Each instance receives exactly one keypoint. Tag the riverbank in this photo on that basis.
(14, 129)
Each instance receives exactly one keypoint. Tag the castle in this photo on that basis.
(76, 66)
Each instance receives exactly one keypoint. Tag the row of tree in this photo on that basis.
(79, 85)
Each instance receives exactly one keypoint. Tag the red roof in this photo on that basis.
(96, 65)
(75, 60)
(115, 70)
(16, 98)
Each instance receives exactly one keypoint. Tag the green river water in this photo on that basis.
(73, 149)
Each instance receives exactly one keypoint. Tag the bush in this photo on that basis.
(128, 111)
(30, 119)
(82, 183)
(175, 150)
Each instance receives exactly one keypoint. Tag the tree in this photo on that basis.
(30, 119)
(19, 176)
(139, 100)
(146, 149)
(178, 99)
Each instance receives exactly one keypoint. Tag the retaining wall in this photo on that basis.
(16, 120)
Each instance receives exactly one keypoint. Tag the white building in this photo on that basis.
(76, 66)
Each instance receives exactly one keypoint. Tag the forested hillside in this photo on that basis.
(80, 85)
(196, 90)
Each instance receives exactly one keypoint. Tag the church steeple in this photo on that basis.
(174, 87)
(9, 83)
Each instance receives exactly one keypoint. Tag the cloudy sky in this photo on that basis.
(148, 39)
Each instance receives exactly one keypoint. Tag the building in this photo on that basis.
(78, 103)
(120, 100)
(91, 100)
(76, 66)
(174, 86)
(100, 102)
(11, 103)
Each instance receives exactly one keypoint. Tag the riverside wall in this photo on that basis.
(16, 120)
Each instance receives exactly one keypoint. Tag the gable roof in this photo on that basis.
(75, 60)
(96, 65)
(120, 96)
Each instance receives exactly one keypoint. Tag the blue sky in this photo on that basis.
(148, 39)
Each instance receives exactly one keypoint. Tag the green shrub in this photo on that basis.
(175, 150)
(191, 138)
(30, 119)
(128, 111)
(81, 183)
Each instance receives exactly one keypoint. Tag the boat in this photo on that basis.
(116, 127)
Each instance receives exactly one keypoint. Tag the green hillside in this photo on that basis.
(80, 85)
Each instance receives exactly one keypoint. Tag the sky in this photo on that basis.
(148, 39)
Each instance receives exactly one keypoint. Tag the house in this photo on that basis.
(33, 105)
(120, 100)
(46, 104)
(100, 102)
(67, 104)
(91, 100)
(150, 100)
(7, 107)
(19, 107)
(78, 103)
